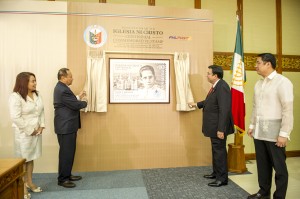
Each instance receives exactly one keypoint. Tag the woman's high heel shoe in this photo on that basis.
(36, 190)
(27, 196)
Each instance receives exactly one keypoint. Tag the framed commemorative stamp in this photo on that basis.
(139, 80)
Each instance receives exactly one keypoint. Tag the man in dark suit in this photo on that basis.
(66, 123)
(217, 123)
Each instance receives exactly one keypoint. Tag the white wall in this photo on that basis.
(35, 43)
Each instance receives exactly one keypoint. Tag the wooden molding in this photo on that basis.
(197, 4)
(289, 154)
(279, 36)
(290, 63)
(151, 2)
(293, 153)
(224, 59)
(250, 156)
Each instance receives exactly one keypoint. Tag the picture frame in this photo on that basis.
(139, 80)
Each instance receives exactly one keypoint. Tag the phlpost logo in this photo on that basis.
(180, 37)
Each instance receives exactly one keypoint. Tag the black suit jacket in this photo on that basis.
(67, 110)
(217, 114)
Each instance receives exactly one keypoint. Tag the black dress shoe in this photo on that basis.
(258, 196)
(75, 178)
(67, 184)
(210, 176)
(217, 183)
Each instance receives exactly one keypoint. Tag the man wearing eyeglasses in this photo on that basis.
(217, 123)
(270, 125)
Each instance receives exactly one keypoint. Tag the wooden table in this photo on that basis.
(11, 182)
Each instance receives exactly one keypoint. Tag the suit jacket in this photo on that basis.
(217, 114)
(67, 110)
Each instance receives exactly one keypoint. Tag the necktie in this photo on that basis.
(210, 91)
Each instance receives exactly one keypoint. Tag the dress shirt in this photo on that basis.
(272, 113)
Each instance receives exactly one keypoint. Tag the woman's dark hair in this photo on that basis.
(21, 85)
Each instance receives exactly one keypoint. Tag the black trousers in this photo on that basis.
(269, 156)
(67, 148)
(219, 158)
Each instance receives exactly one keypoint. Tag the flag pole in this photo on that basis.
(236, 155)
(238, 140)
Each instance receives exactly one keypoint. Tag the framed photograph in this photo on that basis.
(139, 80)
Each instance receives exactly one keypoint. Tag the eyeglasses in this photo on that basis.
(261, 62)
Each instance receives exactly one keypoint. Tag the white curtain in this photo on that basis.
(183, 89)
(95, 84)
(30, 42)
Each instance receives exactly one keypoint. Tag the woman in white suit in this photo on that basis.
(27, 114)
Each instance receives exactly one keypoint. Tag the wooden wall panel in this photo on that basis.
(137, 136)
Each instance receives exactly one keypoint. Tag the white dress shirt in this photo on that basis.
(272, 113)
